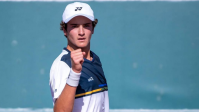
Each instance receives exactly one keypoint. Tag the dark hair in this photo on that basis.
(64, 25)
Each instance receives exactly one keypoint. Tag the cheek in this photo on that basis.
(72, 33)
(88, 32)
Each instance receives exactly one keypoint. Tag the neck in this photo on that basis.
(86, 50)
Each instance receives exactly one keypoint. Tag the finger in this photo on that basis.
(77, 54)
(77, 50)
(77, 58)
(78, 61)
(81, 62)
(83, 53)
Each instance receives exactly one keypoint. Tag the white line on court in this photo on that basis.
(97, 0)
(111, 110)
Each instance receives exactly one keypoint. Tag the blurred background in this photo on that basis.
(149, 52)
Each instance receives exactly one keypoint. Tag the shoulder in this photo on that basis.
(63, 57)
(66, 59)
(61, 62)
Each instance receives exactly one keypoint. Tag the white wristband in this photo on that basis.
(73, 78)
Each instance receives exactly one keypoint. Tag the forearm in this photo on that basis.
(65, 101)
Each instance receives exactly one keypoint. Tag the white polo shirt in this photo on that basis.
(92, 91)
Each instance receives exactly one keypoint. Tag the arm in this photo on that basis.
(65, 101)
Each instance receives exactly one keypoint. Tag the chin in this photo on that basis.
(82, 46)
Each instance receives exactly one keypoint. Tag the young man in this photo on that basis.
(77, 79)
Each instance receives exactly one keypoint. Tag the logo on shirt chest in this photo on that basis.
(90, 79)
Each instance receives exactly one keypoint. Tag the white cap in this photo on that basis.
(77, 9)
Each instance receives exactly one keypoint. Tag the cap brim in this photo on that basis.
(87, 16)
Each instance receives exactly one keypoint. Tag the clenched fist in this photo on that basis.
(77, 59)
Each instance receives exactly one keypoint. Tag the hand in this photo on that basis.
(77, 59)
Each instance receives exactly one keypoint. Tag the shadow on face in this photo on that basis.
(80, 24)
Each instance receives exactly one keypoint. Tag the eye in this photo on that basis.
(74, 26)
(87, 25)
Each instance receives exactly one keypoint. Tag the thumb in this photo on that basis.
(83, 53)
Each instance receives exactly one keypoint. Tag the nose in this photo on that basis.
(81, 30)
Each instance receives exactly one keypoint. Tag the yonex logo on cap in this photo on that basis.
(78, 8)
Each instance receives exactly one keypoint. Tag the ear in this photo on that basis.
(65, 32)
(93, 31)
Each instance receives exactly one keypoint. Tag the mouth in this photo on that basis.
(81, 39)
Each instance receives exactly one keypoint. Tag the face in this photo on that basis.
(79, 31)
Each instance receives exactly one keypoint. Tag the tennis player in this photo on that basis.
(77, 79)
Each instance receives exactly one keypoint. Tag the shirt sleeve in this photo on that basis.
(58, 75)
